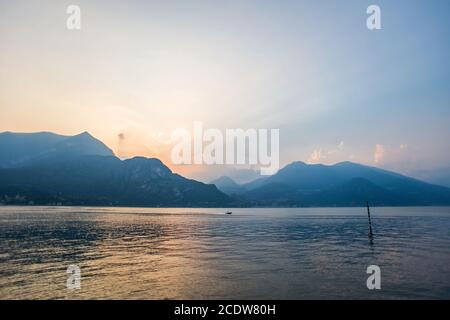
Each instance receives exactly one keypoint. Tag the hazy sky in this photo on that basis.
(336, 90)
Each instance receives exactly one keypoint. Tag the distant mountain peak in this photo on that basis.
(294, 165)
(224, 180)
(84, 134)
(297, 163)
(83, 144)
(346, 163)
(227, 185)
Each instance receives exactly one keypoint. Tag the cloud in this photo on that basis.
(319, 155)
(398, 158)
(379, 154)
(316, 156)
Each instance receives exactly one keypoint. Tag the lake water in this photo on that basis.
(134, 253)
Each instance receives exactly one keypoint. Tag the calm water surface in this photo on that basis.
(129, 253)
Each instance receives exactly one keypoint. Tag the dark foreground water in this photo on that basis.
(134, 253)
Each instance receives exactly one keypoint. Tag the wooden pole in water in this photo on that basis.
(370, 222)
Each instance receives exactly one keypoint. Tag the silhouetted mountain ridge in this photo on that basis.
(46, 168)
(80, 170)
(342, 184)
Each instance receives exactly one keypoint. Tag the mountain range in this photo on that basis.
(20, 149)
(48, 169)
(44, 168)
(342, 184)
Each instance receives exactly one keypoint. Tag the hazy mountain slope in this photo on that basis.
(20, 149)
(227, 185)
(439, 176)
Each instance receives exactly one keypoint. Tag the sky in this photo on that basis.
(138, 70)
